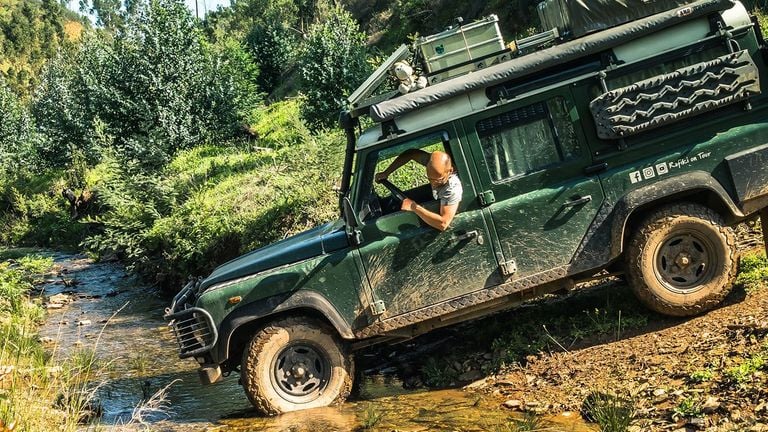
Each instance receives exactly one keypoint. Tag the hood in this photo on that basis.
(317, 241)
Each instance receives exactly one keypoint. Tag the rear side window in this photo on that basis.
(527, 139)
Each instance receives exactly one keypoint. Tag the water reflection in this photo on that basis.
(139, 358)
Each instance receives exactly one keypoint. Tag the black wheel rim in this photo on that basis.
(685, 261)
(301, 372)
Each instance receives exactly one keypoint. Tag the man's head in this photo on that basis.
(439, 168)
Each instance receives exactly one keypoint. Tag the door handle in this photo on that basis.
(577, 201)
(470, 235)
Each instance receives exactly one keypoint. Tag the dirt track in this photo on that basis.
(656, 366)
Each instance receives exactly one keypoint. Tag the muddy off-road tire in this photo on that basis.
(682, 260)
(294, 364)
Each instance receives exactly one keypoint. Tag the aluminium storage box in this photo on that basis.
(461, 46)
(576, 18)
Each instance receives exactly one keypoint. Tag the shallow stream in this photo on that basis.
(122, 320)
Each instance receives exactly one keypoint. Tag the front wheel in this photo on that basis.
(682, 260)
(294, 364)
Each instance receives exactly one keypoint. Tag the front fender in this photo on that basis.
(263, 309)
(682, 186)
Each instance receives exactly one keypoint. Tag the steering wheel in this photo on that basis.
(396, 192)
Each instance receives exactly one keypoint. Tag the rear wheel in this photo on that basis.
(294, 364)
(682, 260)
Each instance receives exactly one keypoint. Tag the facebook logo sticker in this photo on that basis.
(635, 177)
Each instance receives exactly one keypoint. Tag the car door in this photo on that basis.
(532, 158)
(409, 264)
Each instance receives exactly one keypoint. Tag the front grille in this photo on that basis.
(194, 331)
(193, 327)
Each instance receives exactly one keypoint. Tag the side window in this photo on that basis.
(411, 178)
(527, 139)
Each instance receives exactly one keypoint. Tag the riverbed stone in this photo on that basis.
(514, 404)
(710, 405)
(84, 322)
(477, 384)
(697, 423)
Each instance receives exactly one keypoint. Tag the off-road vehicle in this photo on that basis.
(629, 136)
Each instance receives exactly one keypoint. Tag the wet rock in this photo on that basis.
(697, 423)
(514, 404)
(84, 322)
(54, 306)
(45, 340)
(478, 384)
(472, 375)
(710, 405)
(58, 299)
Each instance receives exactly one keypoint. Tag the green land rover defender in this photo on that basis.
(626, 137)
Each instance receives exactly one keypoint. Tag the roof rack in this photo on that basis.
(457, 51)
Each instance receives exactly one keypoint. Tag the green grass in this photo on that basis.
(555, 326)
(701, 376)
(753, 272)
(613, 413)
(744, 372)
(529, 423)
(371, 418)
(439, 372)
(688, 408)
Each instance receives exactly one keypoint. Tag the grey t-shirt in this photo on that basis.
(449, 193)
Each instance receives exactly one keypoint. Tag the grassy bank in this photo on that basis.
(210, 204)
(38, 391)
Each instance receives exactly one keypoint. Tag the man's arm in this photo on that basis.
(440, 221)
(416, 155)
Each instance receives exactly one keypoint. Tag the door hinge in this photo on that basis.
(377, 308)
(508, 268)
(487, 198)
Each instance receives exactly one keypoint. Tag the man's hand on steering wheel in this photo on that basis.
(407, 204)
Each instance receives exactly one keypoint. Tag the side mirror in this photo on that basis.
(353, 222)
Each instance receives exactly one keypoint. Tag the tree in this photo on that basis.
(333, 65)
(154, 87)
(16, 133)
(274, 46)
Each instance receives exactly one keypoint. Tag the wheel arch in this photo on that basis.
(697, 186)
(237, 328)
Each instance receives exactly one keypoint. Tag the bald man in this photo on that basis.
(445, 184)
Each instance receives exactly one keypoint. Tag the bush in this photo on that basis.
(35, 214)
(333, 65)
